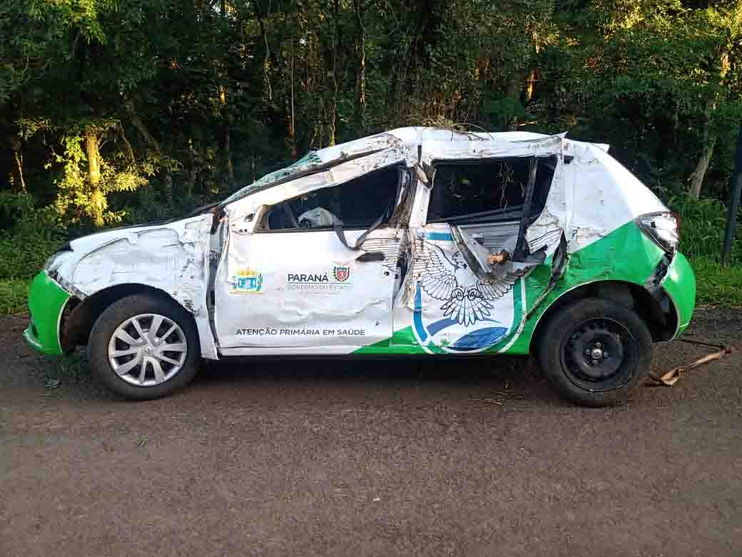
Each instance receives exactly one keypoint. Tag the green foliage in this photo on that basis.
(117, 112)
(28, 236)
(13, 208)
(80, 195)
(702, 229)
(718, 286)
(13, 295)
(24, 254)
(194, 99)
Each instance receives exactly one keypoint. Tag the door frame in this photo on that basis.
(242, 216)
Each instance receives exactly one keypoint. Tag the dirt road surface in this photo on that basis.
(337, 457)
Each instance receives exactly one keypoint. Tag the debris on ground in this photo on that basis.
(670, 377)
(499, 397)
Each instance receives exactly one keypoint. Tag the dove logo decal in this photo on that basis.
(454, 311)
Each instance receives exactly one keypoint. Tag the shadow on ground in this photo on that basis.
(370, 457)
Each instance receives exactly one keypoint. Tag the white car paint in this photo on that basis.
(176, 257)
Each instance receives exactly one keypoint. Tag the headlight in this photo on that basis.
(53, 263)
(662, 228)
(50, 262)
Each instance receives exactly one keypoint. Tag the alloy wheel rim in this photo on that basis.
(147, 349)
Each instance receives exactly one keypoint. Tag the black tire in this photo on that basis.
(117, 314)
(585, 332)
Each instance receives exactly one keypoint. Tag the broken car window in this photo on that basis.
(544, 176)
(358, 203)
(487, 190)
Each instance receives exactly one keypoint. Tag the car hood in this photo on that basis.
(169, 256)
(86, 244)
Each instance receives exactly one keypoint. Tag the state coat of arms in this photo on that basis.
(341, 272)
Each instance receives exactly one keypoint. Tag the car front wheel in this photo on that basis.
(144, 347)
(595, 351)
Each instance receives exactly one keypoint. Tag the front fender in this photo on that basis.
(46, 304)
(171, 257)
(680, 284)
(625, 255)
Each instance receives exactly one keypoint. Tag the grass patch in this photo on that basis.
(702, 228)
(70, 367)
(13, 294)
(718, 286)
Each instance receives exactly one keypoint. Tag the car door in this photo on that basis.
(494, 212)
(315, 271)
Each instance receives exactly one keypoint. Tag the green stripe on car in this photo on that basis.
(46, 302)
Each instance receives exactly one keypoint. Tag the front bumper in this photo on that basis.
(680, 285)
(46, 303)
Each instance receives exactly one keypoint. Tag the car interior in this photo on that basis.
(489, 198)
(356, 204)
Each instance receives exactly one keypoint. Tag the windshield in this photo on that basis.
(319, 159)
(307, 163)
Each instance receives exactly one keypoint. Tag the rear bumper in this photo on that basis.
(46, 303)
(680, 285)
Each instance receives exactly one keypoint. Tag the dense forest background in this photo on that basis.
(115, 111)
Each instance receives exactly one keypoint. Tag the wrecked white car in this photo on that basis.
(415, 241)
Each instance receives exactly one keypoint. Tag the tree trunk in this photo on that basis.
(708, 142)
(696, 179)
(228, 156)
(734, 200)
(531, 84)
(18, 156)
(290, 108)
(333, 112)
(266, 58)
(93, 155)
(97, 199)
(361, 79)
(191, 179)
(152, 142)
(129, 149)
(139, 125)
(229, 165)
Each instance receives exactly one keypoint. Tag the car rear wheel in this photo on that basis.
(595, 351)
(144, 347)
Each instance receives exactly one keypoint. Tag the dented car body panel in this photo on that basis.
(171, 258)
(389, 245)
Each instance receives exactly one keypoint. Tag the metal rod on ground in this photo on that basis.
(734, 196)
(670, 377)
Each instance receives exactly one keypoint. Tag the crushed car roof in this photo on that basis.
(409, 138)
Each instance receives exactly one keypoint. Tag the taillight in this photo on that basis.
(662, 228)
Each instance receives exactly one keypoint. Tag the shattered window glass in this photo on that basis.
(305, 164)
(493, 188)
(544, 176)
(358, 203)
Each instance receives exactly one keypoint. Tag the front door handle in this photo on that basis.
(371, 256)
